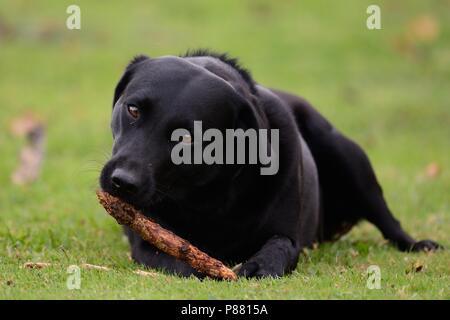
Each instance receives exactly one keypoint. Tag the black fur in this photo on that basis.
(224, 57)
(126, 76)
(324, 186)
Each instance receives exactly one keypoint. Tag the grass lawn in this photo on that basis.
(387, 89)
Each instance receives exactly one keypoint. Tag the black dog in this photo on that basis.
(324, 186)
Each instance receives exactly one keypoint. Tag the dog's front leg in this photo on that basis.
(278, 256)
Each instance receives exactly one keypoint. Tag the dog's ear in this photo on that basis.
(127, 75)
(247, 118)
(248, 115)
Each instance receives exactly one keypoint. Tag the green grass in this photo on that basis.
(395, 103)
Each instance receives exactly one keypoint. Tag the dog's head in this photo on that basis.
(153, 98)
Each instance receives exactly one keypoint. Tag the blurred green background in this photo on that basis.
(388, 89)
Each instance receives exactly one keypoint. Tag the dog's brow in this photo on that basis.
(140, 99)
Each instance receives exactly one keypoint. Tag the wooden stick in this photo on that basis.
(164, 239)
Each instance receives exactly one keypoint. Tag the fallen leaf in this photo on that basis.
(94, 267)
(432, 170)
(420, 31)
(416, 266)
(22, 125)
(424, 29)
(31, 155)
(36, 265)
(145, 273)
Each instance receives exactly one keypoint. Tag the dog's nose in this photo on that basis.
(124, 181)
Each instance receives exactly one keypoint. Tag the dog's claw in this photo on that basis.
(426, 245)
(253, 269)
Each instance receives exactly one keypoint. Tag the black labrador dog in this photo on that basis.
(323, 186)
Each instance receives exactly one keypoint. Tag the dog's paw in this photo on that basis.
(426, 245)
(257, 269)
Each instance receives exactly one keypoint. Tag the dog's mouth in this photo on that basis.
(141, 201)
(136, 199)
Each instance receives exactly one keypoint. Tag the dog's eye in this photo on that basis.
(187, 139)
(133, 111)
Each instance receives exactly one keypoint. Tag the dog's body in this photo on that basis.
(324, 186)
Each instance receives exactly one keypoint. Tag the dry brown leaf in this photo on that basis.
(420, 31)
(94, 267)
(424, 29)
(21, 126)
(29, 169)
(31, 155)
(416, 266)
(432, 170)
(36, 265)
(145, 273)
